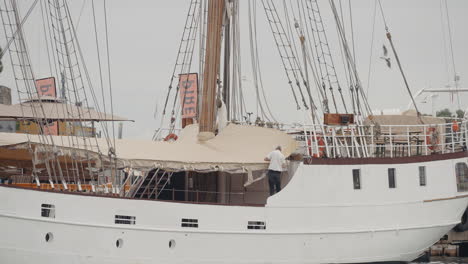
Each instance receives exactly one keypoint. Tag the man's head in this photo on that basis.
(278, 148)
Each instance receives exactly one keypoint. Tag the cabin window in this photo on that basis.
(48, 210)
(391, 178)
(256, 225)
(461, 171)
(186, 222)
(357, 179)
(125, 220)
(422, 175)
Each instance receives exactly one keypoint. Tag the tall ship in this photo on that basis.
(356, 187)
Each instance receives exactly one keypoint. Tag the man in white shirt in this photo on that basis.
(277, 163)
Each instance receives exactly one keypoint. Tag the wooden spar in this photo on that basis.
(211, 70)
(227, 62)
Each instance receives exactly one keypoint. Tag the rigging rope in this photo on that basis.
(321, 87)
(80, 14)
(184, 43)
(98, 52)
(325, 60)
(309, 52)
(21, 66)
(266, 112)
(78, 57)
(109, 73)
(20, 26)
(68, 63)
(452, 53)
(288, 57)
(260, 78)
(355, 82)
(238, 108)
(352, 29)
(447, 67)
(371, 49)
(46, 38)
(389, 37)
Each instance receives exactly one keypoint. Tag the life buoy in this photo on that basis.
(321, 147)
(455, 126)
(429, 138)
(171, 137)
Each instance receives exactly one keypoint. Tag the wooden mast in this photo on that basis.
(227, 63)
(212, 66)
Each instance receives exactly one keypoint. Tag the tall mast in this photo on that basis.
(211, 69)
(227, 63)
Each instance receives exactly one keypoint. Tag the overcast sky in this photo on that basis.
(145, 34)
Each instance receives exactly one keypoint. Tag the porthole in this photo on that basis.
(119, 243)
(49, 237)
(172, 244)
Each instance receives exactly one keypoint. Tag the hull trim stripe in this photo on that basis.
(2, 214)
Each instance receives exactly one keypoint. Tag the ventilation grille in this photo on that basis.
(48, 210)
(125, 220)
(189, 222)
(256, 225)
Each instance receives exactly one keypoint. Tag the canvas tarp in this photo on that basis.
(235, 149)
(53, 111)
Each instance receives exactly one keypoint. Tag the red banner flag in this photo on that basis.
(46, 87)
(188, 91)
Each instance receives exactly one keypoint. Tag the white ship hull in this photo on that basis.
(317, 218)
(404, 245)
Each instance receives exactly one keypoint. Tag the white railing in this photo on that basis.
(373, 140)
(369, 141)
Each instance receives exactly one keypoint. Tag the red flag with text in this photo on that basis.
(188, 91)
(46, 87)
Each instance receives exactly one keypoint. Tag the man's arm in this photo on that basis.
(284, 164)
(268, 157)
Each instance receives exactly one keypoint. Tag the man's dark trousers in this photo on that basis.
(274, 180)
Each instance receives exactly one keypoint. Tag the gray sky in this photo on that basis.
(145, 35)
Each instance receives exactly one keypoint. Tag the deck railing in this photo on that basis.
(373, 140)
(369, 141)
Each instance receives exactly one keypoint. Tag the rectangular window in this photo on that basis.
(125, 220)
(256, 225)
(461, 172)
(357, 179)
(422, 175)
(391, 178)
(189, 222)
(48, 210)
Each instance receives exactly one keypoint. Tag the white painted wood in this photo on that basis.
(317, 218)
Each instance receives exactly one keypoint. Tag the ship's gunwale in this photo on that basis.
(385, 160)
(126, 198)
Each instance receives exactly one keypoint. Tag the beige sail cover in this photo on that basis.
(237, 148)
